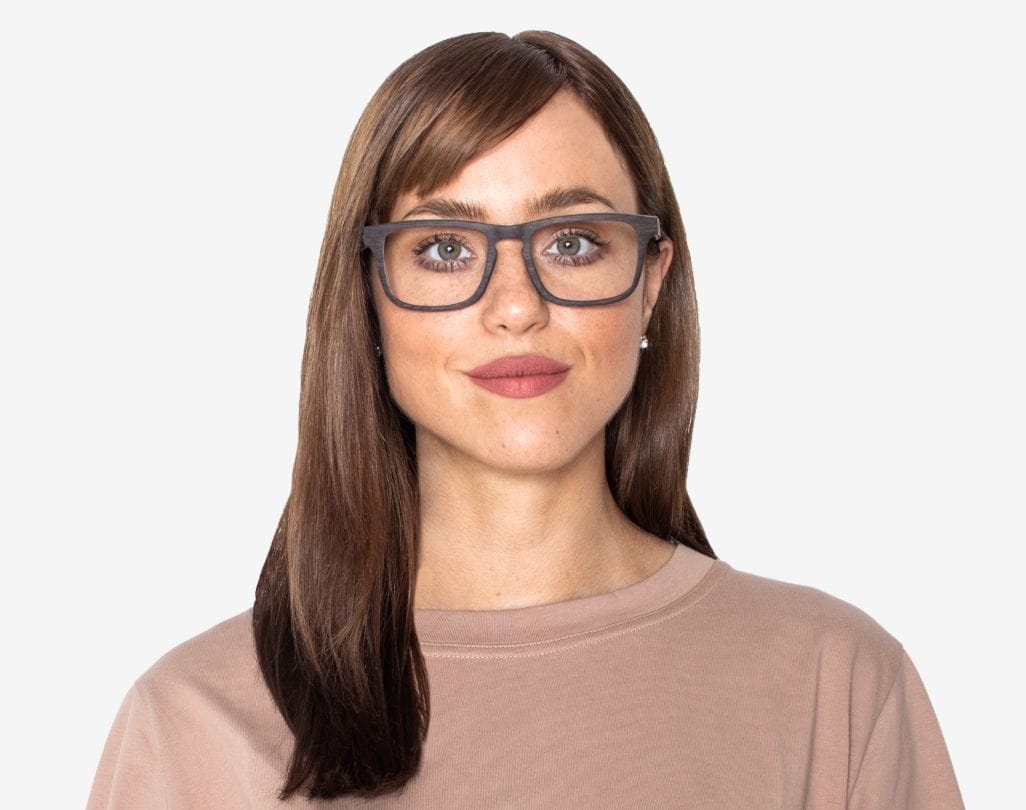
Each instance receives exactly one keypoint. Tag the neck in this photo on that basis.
(492, 539)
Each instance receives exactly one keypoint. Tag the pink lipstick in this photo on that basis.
(520, 376)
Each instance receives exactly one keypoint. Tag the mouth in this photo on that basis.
(520, 376)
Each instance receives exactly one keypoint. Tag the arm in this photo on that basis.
(129, 774)
(906, 765)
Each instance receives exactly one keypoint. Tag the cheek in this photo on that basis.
(417, 349)
(405, 362)
(611, 352)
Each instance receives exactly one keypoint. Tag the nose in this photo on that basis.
(511, 302)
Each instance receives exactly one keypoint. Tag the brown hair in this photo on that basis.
(333, 617)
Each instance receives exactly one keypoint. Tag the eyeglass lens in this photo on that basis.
(580, 261)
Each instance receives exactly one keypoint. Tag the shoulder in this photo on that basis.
(221, 647)
(773, 601)
(216, 668)
(778, 616)
(199, 728)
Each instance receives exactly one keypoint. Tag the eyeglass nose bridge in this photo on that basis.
(501, 233)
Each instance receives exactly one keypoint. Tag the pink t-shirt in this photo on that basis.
(722, 690)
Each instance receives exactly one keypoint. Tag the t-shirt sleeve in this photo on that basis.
(906, 765)
(129, 773)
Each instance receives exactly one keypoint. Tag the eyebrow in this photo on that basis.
(545, 203)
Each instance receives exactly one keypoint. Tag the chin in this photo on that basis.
(515, 448)
(527, 463)
(537, 453)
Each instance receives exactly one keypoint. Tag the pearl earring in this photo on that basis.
(377, 350)
(644, 342)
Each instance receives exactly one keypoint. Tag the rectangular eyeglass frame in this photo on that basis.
(646, 228)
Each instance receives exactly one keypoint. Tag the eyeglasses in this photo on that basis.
(576, 260)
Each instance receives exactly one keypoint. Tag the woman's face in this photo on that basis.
(428, 354)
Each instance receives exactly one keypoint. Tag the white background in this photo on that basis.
(851, 178)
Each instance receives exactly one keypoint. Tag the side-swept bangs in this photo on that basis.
(458, 100)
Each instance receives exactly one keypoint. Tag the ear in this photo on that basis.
(656, 268)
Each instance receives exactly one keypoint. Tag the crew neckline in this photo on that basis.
(561, 623)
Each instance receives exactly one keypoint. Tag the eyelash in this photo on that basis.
(454, 264)
(433, 264)
(576, 261)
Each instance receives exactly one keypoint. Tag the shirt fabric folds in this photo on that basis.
(728, 690)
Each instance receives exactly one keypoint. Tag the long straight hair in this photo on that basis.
(333, 617)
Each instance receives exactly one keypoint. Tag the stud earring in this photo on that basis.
(644, 342)
(377, 350)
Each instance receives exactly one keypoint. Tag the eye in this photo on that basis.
(438, 251)
(572, 245)
(446, 250)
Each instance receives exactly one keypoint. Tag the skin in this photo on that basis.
(515, 507)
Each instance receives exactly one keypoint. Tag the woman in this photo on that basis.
(489, 587)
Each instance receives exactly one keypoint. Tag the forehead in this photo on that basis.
(563, 146)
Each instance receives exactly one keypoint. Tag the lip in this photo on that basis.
(520, 376)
